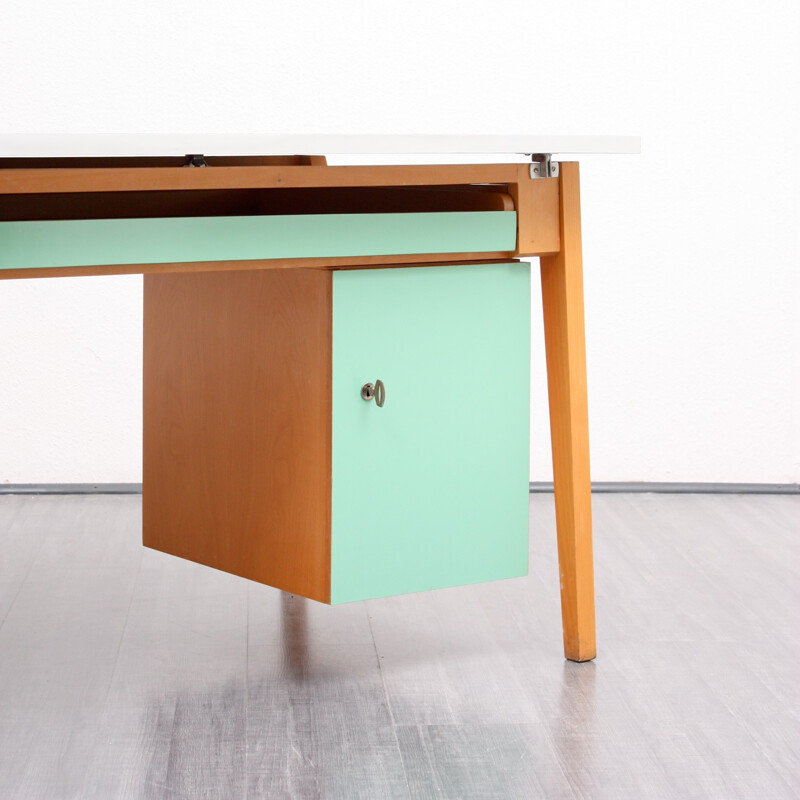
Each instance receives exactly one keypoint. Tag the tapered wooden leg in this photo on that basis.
(565, 344)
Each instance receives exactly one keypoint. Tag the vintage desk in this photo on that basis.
(336, 358)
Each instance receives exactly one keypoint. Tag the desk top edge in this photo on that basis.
(40, 145)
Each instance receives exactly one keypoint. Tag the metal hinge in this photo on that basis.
(543, 166)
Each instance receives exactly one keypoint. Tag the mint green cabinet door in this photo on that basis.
(430, 490)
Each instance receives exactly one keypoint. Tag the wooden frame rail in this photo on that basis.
(81, 191)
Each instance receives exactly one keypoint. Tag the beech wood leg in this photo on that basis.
(565, 344)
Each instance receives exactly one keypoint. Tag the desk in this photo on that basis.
(336, 358)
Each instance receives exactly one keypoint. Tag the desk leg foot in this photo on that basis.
(565, 345)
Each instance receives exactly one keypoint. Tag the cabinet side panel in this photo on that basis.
(431, 490)
(237, 418)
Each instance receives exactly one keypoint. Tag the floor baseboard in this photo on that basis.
(70, 488)
(639, 487)
(538, 487)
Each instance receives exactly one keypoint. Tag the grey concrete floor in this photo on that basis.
(126, 673)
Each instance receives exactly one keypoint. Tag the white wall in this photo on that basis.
(691, 250)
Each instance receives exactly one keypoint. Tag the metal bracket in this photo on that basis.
(195, 160)
(543, 166)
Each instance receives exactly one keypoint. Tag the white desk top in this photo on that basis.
(33, 145)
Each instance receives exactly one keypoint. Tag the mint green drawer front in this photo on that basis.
(430, 490)
(77, 243)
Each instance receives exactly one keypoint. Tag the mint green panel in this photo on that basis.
(430, 490)
(77, 243)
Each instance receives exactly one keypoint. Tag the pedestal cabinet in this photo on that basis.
(264, 458)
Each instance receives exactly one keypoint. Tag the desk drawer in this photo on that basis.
(95, 242)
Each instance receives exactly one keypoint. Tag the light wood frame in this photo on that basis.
(565, 346)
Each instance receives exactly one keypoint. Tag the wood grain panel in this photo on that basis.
(536, 202)
(116, 179)
(237, 423)
(565, 346)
